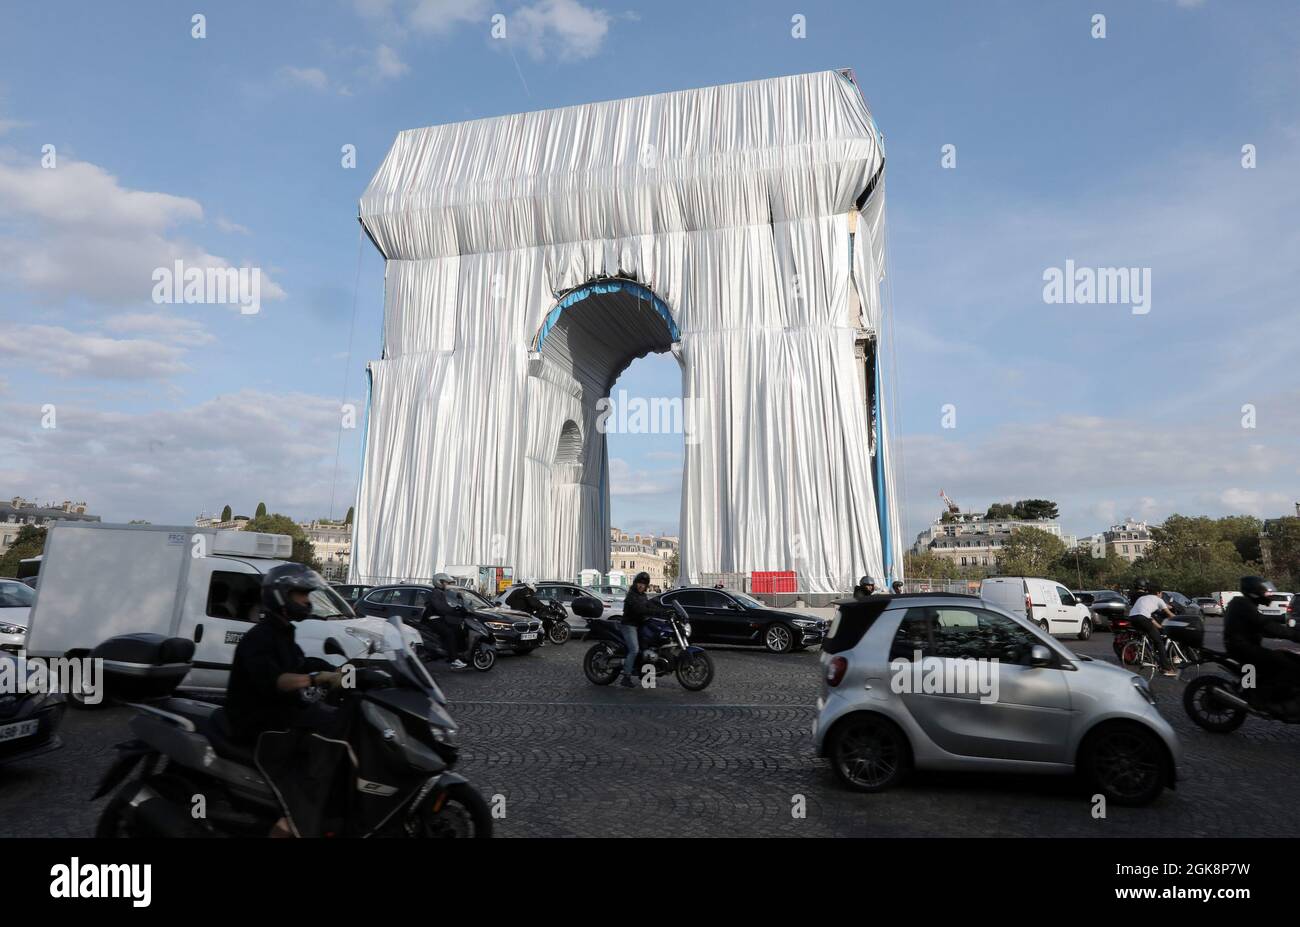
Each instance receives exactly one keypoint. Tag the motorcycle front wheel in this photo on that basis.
(485, 657)
(602, 664)
(1208, 712)
(559, 633)
(458, 811)
(695, 670)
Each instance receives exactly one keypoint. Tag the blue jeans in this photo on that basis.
(633, 647)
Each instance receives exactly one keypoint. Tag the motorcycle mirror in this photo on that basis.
(334, 648)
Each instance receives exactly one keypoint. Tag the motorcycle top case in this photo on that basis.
(144, 666)
(1188, 630)
(587, 606)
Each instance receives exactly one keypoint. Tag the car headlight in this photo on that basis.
(804, 623)
(498, 625)
(1144, 689)
(12, 629)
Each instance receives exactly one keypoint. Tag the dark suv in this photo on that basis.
(1104, 604)
(513, 630)
(720, 616)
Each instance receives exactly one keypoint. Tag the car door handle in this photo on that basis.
(198, 633)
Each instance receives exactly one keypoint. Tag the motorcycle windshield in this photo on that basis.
(405, 664)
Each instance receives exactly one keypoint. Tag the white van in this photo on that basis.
(1046, 603)
(101, 580)
(1224, 598)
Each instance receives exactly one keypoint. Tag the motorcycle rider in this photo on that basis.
(636, 609)
(866, 587)
(1146, 613)
(449, 621)
(267, 676)
(897, 588)
(1277, 672)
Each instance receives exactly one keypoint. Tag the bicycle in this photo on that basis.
(1137, 651)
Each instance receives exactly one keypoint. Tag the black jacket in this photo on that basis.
(253, 702)
(860, 593)
(439, 607)
(1244, 630)
(637, 607)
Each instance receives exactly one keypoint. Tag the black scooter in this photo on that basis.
(665, 645)
(480, 643)
(1221, 703)
(400, 740)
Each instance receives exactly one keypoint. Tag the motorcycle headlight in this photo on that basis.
(687, 628)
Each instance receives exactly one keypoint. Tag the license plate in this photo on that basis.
(21, 729)
(530, 636)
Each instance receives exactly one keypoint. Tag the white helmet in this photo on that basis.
(440, 578)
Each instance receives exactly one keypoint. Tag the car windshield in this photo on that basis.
(746, 600)
(16, 595)
(468, 598)
(327, 605)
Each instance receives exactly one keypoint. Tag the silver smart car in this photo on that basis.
(952, 682)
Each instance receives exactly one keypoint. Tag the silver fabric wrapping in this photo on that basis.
(731, 205)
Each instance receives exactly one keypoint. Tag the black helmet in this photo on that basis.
(1143, 585)
(898, 585)
(1257, 588)
(279, 581)
(642, 577)
(866, 581)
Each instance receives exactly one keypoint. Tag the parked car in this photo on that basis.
(514, 631)
(1277, 605)
(1181, 604)
(1043, 602)
(1105, 605)
(350, 592)
(15, 605)
(721, 616)
(1053, 711)
(29, 722)
(1209, 605)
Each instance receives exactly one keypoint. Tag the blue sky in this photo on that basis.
(1122, 151)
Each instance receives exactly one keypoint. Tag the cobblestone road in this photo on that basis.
(572, 759)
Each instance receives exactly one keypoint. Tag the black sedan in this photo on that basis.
(513, 630)
(720, 616)
(350, 592)
(1105, 605)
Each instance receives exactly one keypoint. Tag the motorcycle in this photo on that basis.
(665, 645)
(555, 621)
(480, 643)
(1222, 704)
(401, 742)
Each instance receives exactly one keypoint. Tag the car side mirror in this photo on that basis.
(1039, 656)
(334, 648)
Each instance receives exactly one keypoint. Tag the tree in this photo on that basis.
(1030, 552)
(226, 514)
(261, 510)
(303, 552)
(1035, 509)
(671, 567)
(928, 566)
(1191, 555)
(1078, 569)
(1000, 511)
(347, 520)
(1283, 539)
(1243, 531)
(30, 542)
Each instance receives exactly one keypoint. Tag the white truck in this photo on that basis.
(100, 580)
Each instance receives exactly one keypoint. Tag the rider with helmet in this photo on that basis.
(1146, 613)
(267, 674)
(636, 609)
(442, 618)
(1277, 672)
(866, 587)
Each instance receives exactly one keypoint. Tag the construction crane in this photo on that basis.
(952, 506)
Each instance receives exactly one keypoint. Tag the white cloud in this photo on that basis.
(387, 65)
(75, 231)
(314, 78)
(64, 353)
(226, 225)
(626, 481)
(161, 326)
(440, 17)
(558, 27)
(167, 465)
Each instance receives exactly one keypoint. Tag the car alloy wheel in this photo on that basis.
(778, 639)
(869, 754)
(1126, 764)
